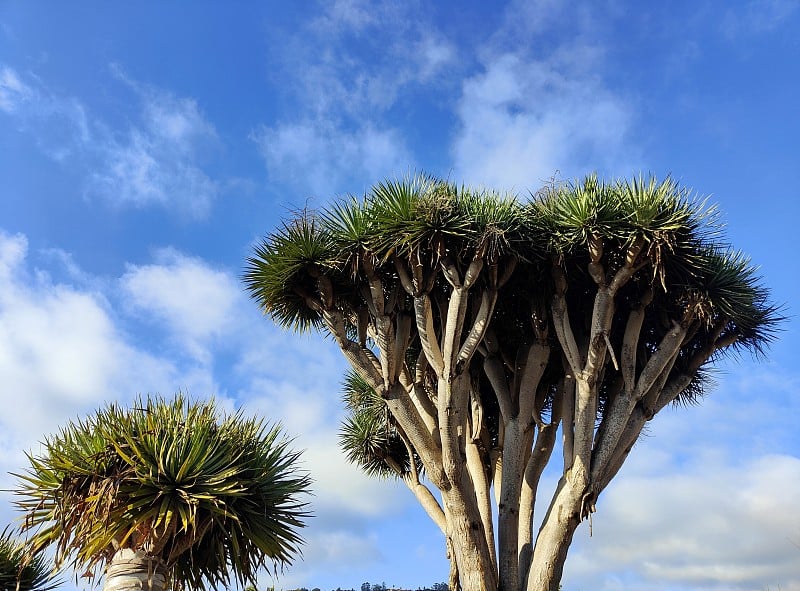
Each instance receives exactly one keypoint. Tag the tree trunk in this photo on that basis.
(131, 570)
(555, 535)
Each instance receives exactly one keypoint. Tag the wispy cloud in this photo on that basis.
(522, 122)
(758, 17)
(155, 161)
(59, 124)
(536, 108)
(13, 92)
(324, 158)
(360, 62)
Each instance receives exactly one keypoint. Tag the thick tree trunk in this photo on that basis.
(131, 570)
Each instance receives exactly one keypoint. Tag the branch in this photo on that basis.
(536, 363)
(361, 358)
(402, 408)
(655, 365)
(623, 275)
(630, 342)
(375, 286)
(495, 371)
(451, 272)
(475, 468)
(479, 327)
(507, 272)
(542, 452)
(405, 278)
(422, 492)
(566, 392)
(473, 272)
(561, 323)
(596, 270)
(456, 312)
(427, 333)
(402, 338)
(617, 416)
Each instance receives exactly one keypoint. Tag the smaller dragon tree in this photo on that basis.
(168, 494)
(482, 330)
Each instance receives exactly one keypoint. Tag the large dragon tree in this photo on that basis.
(483, 330)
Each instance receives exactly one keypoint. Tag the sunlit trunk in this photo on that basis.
(555, 536)
(131, 570)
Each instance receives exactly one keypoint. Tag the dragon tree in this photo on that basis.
(489, 336)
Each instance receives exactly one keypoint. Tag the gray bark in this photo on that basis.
(131, 570)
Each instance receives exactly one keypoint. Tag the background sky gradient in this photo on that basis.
(145, 147)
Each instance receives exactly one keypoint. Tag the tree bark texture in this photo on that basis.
(131, 570)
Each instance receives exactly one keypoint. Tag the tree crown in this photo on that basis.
(207, 494)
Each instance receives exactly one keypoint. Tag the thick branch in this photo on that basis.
(427, 333)
(456, 313)
(617, 416)
(542, 451)
(536, 363)
(567, 394)
(561, 323)
(361, 358)
(479, 327)
(422, 492)
(495, 371)
(630, 342)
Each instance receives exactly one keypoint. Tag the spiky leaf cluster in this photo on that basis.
(368, 435)
(19, 571)
(210, 495)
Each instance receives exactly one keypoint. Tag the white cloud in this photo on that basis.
(326, 158)
(281, 377)
(59, 124)
(707, 499)
(522, 121)
(61, 354)
(297, 380)
(194, 301)
(711, 526)
(328, 555)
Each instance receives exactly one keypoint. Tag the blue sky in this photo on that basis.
(145, 147)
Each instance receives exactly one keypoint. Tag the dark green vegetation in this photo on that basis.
(479, 326)
(21, 572)
(195, 495)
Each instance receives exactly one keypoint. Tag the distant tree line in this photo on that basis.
(369, 587)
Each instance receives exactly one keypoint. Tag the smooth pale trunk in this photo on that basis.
(131, 570)
(509, 504)
(464, 521)
(555, 536)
